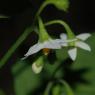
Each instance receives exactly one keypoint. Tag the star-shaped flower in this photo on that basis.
(45, 46)
(78, 41)
(45, 42)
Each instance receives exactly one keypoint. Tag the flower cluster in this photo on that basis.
(59, 43)
(78, 41)
(46, 43)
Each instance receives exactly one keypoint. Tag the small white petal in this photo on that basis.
(36, 69)
(83, 45)
(64, 44)
(83, 36)
(56, 41)
(73, 53)
(33, 49)
(63, 36)
(52, 44)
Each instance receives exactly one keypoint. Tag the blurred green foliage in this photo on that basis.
(80, 75)
(1, 92)
(26, 82)
(86, 60)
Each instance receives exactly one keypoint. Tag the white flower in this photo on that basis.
(78, 41)
(45, 42)
(47, 45)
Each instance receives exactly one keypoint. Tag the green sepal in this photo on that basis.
(43, 35)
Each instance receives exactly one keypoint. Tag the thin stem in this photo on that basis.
(15, 46)
(67, 87)
(47, 90)
(41, 8)
(22, 37)
(63, 23)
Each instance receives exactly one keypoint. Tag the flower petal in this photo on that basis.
(52, 44)
(24, 58)
(83, 36)
(83, 45)
(37, 47)
(65, 43)
(73, 53)
(36, 69)
(63, 36)
(62, 43)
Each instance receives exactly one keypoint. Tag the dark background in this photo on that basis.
(80, 16)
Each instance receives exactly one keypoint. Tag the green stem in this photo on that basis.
(41, 8)
(67, 87)
(47, 90)
(21, 38)
(15, 46)
(66, 26)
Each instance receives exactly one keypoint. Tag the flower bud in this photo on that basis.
(37, 66)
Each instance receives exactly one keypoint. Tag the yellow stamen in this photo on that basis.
(46, 51)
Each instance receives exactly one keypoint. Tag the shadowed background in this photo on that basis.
(80, 16)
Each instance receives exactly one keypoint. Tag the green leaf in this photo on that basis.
(25, 81)
(52, 70)
(60, 4)
(86, 60)
(61, 54)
